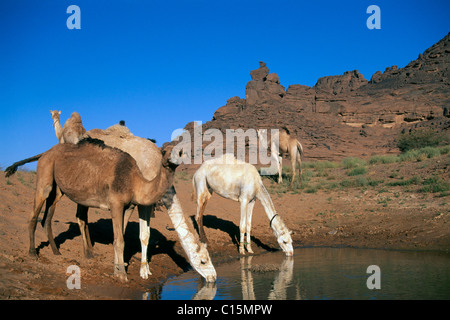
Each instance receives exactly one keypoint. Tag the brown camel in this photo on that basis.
(149, 159)
(284, 143)
(94, 175)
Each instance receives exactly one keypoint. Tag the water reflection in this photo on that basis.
(319, 273)
(282, 280)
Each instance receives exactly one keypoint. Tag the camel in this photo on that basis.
(148, 156)
(283, 142)
(239, 181)
(94, 175)
(57, 125)
(73, 129)
(149, 159)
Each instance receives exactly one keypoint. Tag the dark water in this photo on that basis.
(321, 273)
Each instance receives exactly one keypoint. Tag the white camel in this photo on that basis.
(239, 181)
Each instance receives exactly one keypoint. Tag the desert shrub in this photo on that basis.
(423, 153)
(435, 184)
(383, 159)
(357, 171)
(408, 182)
(352, 162)
(420, 139)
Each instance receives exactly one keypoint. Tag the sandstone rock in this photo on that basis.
(260, 73)
(346, 115)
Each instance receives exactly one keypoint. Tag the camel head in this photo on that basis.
(172, 157)
(283, 236)
(55, 114)
(201, 262)
(285, 242)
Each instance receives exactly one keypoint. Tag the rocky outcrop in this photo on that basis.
(346, 114)
(264, 89)
(349, 81)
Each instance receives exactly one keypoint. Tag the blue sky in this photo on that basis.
(161, 64)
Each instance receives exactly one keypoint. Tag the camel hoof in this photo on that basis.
(119, 272)
(145, 271)
(33, 254)
(89, 255)
(203, 239)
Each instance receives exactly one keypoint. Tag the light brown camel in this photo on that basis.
(73, 128)
(239, 181)
(283, 142)
(94, 175)
(57, 125)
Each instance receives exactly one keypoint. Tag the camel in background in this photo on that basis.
(239, 181)
(283, 142)
(73, 129)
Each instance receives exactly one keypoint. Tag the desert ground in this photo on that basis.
(392, 204)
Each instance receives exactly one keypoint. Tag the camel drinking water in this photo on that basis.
(94, 175)
(239, 181)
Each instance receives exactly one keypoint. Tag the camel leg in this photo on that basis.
(202, 199)
(145, 212)
(119, 243)
(279, 160)
(42, 193)
(126, 216)
(243, 225)
(299, 161)
(293, 156)
(250, 206)
(50, 210)
(82, 219)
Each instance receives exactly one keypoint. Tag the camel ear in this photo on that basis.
(59, 112)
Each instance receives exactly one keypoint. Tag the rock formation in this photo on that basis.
(347, 115)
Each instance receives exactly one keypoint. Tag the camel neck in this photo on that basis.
(268, 206)
(150, 192)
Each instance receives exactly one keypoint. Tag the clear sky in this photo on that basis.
(161, 64)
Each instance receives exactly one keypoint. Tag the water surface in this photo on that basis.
(320, 273)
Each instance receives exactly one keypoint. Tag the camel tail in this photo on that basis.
(13, 168)
(194, 192)
(300, 148)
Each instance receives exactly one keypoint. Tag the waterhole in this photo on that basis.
(320, 273)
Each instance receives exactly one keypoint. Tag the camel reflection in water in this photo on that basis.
(282, 280)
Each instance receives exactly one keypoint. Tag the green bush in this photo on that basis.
(383, 159)
(357, 171)
(435, 184)
(352, 162)
(420, 139)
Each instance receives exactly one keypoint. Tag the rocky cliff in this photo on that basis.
(347, 115)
